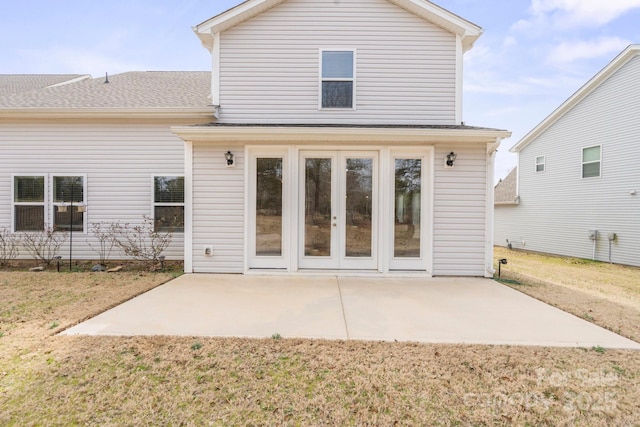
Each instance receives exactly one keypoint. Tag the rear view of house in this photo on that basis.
(578, 181)
(332, 140)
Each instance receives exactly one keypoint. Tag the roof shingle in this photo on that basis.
(140, 90)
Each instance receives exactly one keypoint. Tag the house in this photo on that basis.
(332, 141)
(577, 176)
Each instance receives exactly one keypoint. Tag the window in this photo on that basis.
(337, 78)
(34, 208)
(591, 161)
(168, 203)
(28, 202)
(68, 203)
(540, 164)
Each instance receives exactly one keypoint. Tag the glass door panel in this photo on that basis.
(338, 210)
(359, 207)
(408, 187)
(318, 213)
(268, 207)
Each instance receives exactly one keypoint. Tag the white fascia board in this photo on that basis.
(578, 96)
(424, 9)
(233, 17)
(449, 21)
(354, 135)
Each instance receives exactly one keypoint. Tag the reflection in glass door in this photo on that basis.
(339, 210)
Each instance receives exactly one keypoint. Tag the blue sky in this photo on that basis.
(533, 55)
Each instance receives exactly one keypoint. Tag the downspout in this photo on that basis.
(491, 152)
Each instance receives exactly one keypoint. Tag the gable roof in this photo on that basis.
(468, 31)
(17, 83)
(629, 53)
(131, 92)
(506, 191)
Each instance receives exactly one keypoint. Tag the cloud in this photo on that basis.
(567, 52)
(568, 14)
(588, 13)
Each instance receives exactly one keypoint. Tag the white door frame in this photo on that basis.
(383, 206)
(337, 259)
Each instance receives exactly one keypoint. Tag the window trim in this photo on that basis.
(14, 203)
(583, 163)
(153, 199)
(52, 203)
(353, 79)
(543, 164)
(48, 200)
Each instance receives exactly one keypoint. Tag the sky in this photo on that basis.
(533, 55)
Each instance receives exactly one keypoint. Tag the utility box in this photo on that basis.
(593, 234)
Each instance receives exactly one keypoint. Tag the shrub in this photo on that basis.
(106, 235)
(142, 242)
(8, 247)
(44, 245)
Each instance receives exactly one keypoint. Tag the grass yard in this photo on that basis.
(46, 379)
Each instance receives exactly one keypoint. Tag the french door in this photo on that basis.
(338, 194)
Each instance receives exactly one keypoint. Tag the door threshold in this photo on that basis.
(341, 273)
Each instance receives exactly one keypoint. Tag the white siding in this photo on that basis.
(218, 209)
(459, 212)
(558, 207)
(118, 161)
(405, 72)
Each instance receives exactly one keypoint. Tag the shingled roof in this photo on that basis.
(19, 83)
(132, 90)
(506, 191)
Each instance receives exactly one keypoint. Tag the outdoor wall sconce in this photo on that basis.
(229, 158)
(451, 158)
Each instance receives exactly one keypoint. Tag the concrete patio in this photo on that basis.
(434, 310)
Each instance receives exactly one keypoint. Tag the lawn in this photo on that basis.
(46, 379)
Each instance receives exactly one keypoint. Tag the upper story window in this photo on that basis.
(168, 203)
(337, 73)
(540, 163)
(591, 161)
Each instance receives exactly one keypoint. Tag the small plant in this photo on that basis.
(196, 346)
(8, 247)
(598, 349)
(44, 245)
(276, 336)
(105, 234)
(54, 324)
(142, 242)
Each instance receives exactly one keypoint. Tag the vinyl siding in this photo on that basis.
(218, 209)
(118, 161)
(558, 207)
(459, 212)
(405, 71)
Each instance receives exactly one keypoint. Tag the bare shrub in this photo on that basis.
(142, 242)
(8, 247)
(44, 245)
(105, 234)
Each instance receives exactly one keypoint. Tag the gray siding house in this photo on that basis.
(578, 180)
(329, 138)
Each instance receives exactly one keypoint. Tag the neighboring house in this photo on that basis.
(578, 177)
(334, 123)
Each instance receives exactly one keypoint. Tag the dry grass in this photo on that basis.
(51, 380)
(605, 294)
